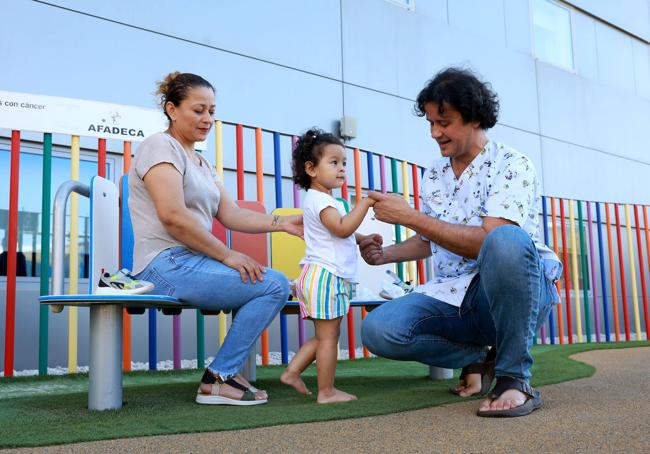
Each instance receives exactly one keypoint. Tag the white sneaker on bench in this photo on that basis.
(122, 283)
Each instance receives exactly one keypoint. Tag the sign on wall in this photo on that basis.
(40, 113)
(28, 112)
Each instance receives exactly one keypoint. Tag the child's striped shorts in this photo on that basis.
(322, 294)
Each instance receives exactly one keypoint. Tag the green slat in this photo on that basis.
(585, 272)
(398, 229)
(43, 329)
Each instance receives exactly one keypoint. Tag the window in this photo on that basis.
(29, 208)
(552, 33)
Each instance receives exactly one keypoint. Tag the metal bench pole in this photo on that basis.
(105, 368)
(58, 234)
(249, 369)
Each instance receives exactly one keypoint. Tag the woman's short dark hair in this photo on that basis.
(465, 92)
(174, 87)
(309, 147)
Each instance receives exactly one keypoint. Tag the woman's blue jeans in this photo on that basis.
(503, 306)
(209, 284)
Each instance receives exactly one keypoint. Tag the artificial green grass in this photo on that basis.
(52, 410)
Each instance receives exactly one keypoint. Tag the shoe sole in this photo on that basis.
(207, 399)
(525, 409)
(115, 291)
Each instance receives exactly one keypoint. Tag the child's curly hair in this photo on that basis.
(309, 147)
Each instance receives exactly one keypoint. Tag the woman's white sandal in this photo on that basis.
(213, 398)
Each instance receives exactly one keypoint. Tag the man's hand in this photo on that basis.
(390, 208)
(371, 249)
(293, 225)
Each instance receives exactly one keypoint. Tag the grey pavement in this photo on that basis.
(609, 412)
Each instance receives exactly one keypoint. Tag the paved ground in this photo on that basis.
(609, 412)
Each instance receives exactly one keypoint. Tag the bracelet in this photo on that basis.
(275, 220)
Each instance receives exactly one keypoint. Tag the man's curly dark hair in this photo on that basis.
(465, 92)
(309, 147)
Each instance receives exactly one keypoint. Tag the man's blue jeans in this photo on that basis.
(209, 284)
(504, 304)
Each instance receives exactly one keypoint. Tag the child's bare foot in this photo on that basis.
(293, 379)
(334, 396)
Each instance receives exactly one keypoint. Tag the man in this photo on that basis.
(493, 278)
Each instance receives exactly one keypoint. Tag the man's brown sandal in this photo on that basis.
(532, 403)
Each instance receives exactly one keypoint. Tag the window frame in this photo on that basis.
(533, 39)
(408, 7)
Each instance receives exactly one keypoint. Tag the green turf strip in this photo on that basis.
(52, 410)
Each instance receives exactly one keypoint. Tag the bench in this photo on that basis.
(105, 333)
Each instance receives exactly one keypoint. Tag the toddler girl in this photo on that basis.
(330, 262)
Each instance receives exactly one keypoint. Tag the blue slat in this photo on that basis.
(602, 272)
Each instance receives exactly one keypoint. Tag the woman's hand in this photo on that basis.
(292, 225)
(245, 265)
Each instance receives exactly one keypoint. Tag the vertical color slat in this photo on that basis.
(630, 257)
(574, 269)
(259, 177)
(546, 240)
(176, 341)
(350, 315)
(74, 256)
(416, 204)
(259, 166)
(284, 340)
(398, 228)
(612, 274)
(296, 204)
(382, 173)
(585, 272)
(406, 193)
(560, 327)
(126, 156)
(621, 267)
(603, 279)
(344, 190)
(126, 317)
(239, 136)
(218, 145)
(200, 340)
(594, 285)
(567, 282)
(359, 196)
(647, 244)
(371, 171)
(12, 239)
(101, 158)
(641, 271)
(153, 336)
(43, 313)
(239, 143)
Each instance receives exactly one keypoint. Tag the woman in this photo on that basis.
(173, 196)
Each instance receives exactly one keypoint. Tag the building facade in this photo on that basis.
(573, 78)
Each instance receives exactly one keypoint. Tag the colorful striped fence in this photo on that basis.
(590, 258)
